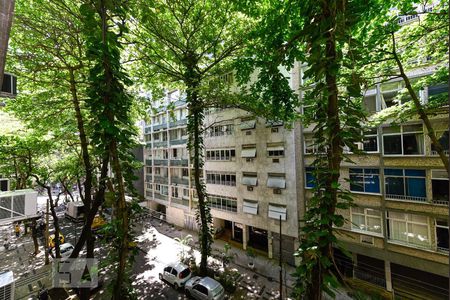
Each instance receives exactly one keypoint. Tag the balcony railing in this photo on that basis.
(180, 201)
(160, 162)
(178, 123)
(160, 144)
(160, 179)
(160, 126)
(161, 197)
(179, 162)
(440, 202)
(148, 162)
(434, 152)
(178, 142)
(179, 180)
(406, 198)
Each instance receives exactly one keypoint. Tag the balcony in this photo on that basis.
(160, 144)
(179, 162)
(180, 201)
(176, 123)
(179, 180)
(161, 197)
(159, 126)
(406, 198)
(148, 178)
(443, 202)
(160, 162)
(434, 152)
(148, 162)
(160, 179)
(178, 142)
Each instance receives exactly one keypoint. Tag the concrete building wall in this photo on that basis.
(6, 18)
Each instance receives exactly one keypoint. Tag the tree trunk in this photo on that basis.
(334, 152)
(34, 236)
(55, 221)
(419, 107)
(195, 124)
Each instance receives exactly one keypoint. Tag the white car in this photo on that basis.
(65, 249)
(204, 288)
(176, 274)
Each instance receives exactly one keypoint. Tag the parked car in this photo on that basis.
(97, 223)
(204, 288)
(66, 250)
(51, 240)
(176, 274)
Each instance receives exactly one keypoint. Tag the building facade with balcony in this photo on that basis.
(397, 232)
(250, 174)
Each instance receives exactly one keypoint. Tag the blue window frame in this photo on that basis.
(405, 184)
(364, 180)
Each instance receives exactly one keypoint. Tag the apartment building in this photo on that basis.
(251, 176)
(398, 230)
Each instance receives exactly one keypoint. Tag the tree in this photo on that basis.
(324, 35)
(189, 42)
(104, 24)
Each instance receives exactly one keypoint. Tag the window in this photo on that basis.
(310, 147)
(175, 192)
(249, 179)
(248, 124)
(250, 207)
(364, 180)
(276, 181)
(225, 154)
(406, 140)
(221, 130)
(443, 140)
(366, 219)
(186, 193)
(248, 151)
(389, 92)
(164, 190)
(405, 184)
(309, 177)
(275, 151)
(222, 178)
(439, 186)
(408, 228)
(370, 141)
(175, 153)
(442, 235)
(148, 170)
(157, 171)
(223, 203)
(276, 211)
(185, 172)
(370, 103)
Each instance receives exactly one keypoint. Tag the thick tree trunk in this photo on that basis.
(55, 221)
(196, 107)
(334, 151)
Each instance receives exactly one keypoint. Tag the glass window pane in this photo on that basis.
(358, 222)
(397, 231)
(397, 172)
(395, 186)
(413, 143)
(370, 144)
(374, 224)
(418, 234)
(392, 144)
(372, 184)
(415, 187)
(413, 128)
(413, 172)
(356, 183)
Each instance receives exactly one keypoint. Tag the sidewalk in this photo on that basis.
(260, 283)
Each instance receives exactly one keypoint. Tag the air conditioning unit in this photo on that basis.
(274, 129)
(276, 160)
(277, 191)
(249, 159)
(248, 132)
(365, 239)
(360, 146)
(249, 188)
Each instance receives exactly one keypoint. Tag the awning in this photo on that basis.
(250, 207)
(276, 182)
(276, 211)
(249, 180)
(248, 152)
(249, 124)
(275, 148)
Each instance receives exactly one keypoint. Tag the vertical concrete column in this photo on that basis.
(244, 236)
(269, 244)
(387, 275)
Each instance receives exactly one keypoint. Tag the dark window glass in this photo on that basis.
(443, 140)
(415, 187)
(413, 143)
(442, 234)
(395, 186)
(392, 144)
(440, 189)
(357, 183)
(370, 144)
